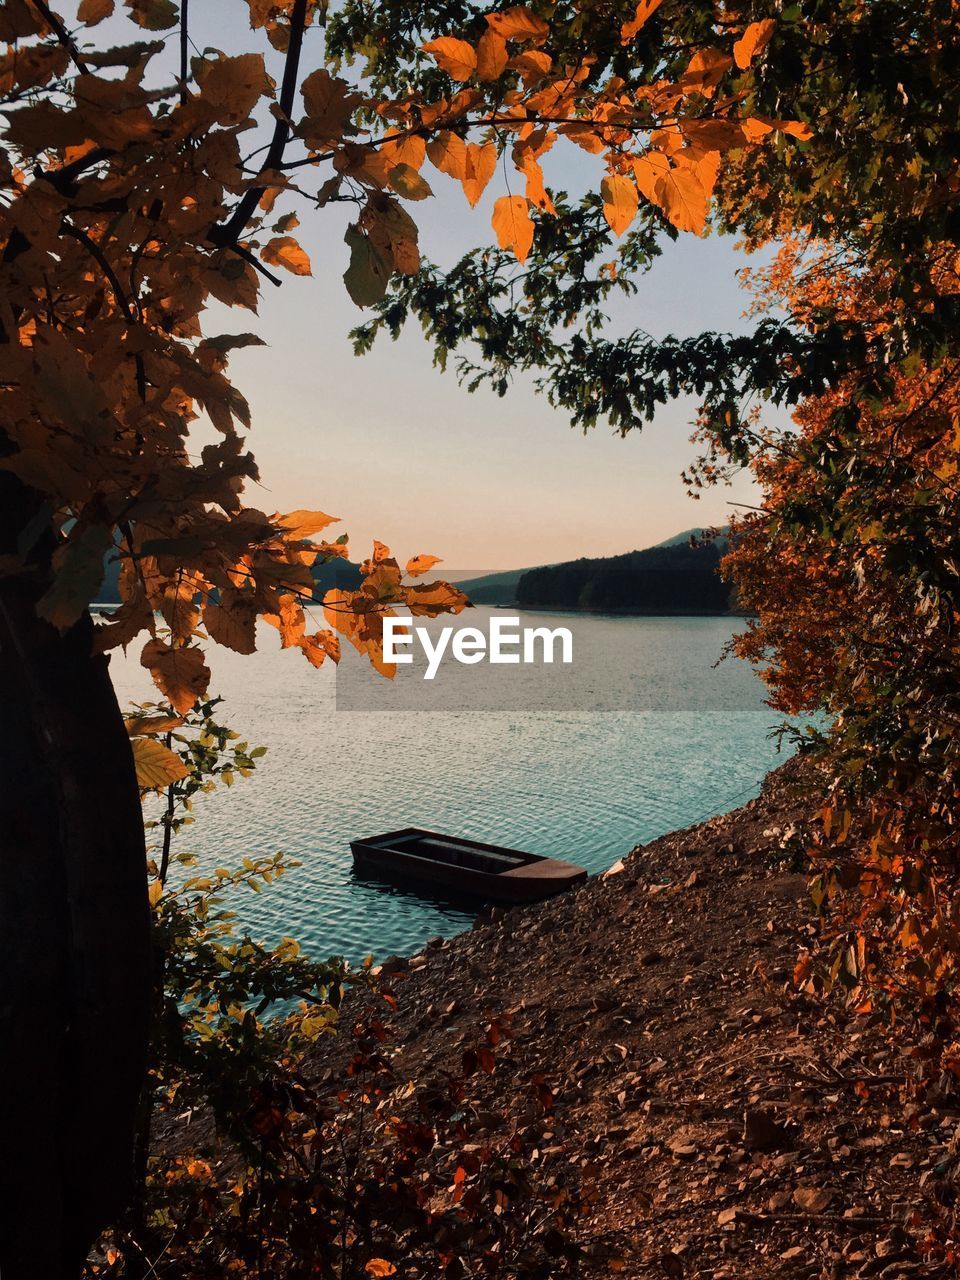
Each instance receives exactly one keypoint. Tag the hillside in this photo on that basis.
(671, 577)
(677, 579)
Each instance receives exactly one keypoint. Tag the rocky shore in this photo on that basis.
(728, 1125)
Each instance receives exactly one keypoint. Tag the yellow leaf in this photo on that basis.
(682, 198)
(643, 11)
(78, 573)
(408, 183)
(421, 564)
(157, 766)
(518, 23)
(284, 251)
(491, 56)
(155, 892)
(481, 163)
(753, 41)
(457, 58)
(513, 225)
(301, 523)
(620, 201)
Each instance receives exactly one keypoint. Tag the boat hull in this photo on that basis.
(417, 856)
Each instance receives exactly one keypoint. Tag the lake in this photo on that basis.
(641, 734)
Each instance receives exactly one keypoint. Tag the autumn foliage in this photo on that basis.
(130, 208)
(852, 569)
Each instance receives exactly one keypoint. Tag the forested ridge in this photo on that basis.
(660, 580)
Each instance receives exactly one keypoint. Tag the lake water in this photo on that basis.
(517, 756)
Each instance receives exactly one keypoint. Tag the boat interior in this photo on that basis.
(454, 853)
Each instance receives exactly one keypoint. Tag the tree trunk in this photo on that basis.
(74, 932)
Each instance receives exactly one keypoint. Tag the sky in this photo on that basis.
(400, 452)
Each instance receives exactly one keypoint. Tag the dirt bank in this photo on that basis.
(731, 1126)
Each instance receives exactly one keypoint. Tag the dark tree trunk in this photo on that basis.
(74, 932)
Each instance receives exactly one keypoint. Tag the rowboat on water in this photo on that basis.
(467, 866)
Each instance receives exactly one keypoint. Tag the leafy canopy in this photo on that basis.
(132, 199)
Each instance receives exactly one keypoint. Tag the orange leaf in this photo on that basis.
(795, 128)
(457, 58)
(754, 128)
(180, 674)
(518, 23)
(284, 251)
(318, 647)
(705, 71)
(644, 9)
(536, 192)
(481, 162)
(448, 153)
(620, 201)
(290, 621)
(491, 56)
(91, 12)
(231, 87)
(648, 170)
(410, 149)
(682, 198)
(513, 225)
(421, 564)
(233, 622)
(430, 599)
(381, 1267)
(753, 41)
(533, 65)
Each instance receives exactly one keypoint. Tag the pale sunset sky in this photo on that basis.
(399, 451)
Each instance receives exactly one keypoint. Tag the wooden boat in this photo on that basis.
(465, 866)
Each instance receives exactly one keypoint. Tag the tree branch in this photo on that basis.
(226, 234)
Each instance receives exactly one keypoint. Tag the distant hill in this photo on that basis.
(679, 539)
(494, 588)
(671, 577)
(676, 579)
